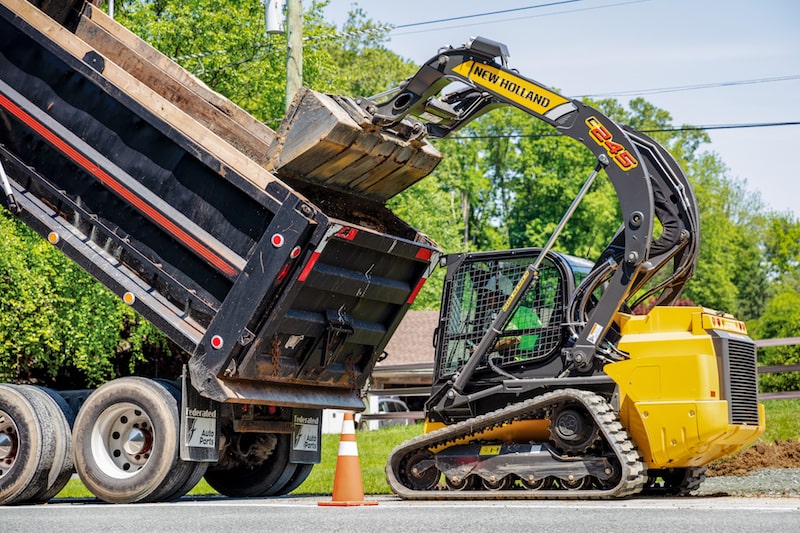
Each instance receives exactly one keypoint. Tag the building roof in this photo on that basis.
(412, 342)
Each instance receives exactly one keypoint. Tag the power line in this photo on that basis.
(709, 127)
(727, 126)
(678, 88)
(515, 18)
(476, 15)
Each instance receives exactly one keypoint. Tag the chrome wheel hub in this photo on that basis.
(122, 440)
(9, 442)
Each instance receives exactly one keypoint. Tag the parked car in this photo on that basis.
(382, 406)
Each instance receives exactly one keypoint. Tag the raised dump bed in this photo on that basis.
(158, 187)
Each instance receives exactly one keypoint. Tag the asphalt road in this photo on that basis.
(292, 514)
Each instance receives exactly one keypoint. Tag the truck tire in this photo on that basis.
(186, 474)
(283, 480)
(300, 475)
(265, 479)
(61, 418)
(26, 445)
(190, 477)
(125, 441)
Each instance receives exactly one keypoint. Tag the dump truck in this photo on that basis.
(546, 383)
(269, 257)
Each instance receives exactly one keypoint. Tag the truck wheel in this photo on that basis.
(26, 445)
(283, 480)
(264, 479)
(61, 418)
(126, 440)
(190, 477)
(299, 476)
(186, 474)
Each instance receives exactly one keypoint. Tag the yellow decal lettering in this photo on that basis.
(516, 290)
(621, 156)
(516, 89)
(490, 450)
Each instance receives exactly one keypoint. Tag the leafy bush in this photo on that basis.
(57, 325)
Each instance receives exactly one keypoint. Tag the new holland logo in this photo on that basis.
(516, 89)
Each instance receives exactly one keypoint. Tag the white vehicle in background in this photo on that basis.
(394, 409)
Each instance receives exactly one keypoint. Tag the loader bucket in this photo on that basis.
(329, 141)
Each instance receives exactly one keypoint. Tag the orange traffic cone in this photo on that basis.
(348, 489)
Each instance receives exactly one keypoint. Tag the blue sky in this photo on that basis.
(593, 47)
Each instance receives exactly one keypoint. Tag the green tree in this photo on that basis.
(224, 44)
(460, 175)
(781, 317)
(432, 208)
(363, 65)
(552, 169)
(515, 177)
(783, 245)
(731, 274)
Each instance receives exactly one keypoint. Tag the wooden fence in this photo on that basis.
(778, 369)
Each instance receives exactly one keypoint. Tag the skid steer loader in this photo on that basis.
(546, 385)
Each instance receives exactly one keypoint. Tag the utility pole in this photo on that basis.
(287, 16)
(294, 49)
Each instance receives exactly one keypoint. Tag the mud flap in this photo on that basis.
(306, 436)
(200, 425)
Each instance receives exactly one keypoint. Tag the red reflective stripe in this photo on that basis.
(156, 216)
(307, 269)
(282, 273)
(347, 233)
(416, 290)
(424, 254)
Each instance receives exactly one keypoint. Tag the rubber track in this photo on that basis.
(692, 480)
(633, 476)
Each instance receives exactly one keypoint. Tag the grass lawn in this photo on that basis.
(783, 420)
(783, 423)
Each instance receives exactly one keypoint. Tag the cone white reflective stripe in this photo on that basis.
(348, 449)
(348, 427)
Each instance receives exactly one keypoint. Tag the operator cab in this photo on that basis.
(476, 287)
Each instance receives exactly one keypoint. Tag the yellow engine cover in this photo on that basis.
(671, 392)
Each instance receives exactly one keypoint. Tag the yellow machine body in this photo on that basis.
(672, 397)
